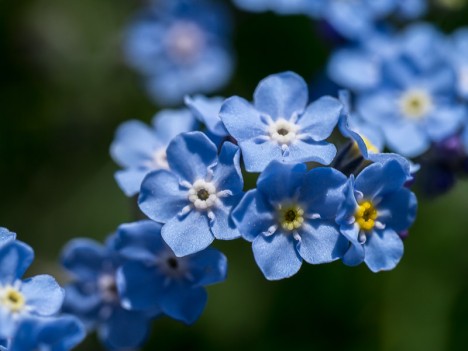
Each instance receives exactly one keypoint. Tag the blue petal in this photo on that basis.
(241, 119)
(354, 256)
(258, 154)
(15, 258)
(321, 242)
(378, 180)
(348, 207)
(310, 151)
(207, 111)
(401, 207)
(43, 294)
(134, 144)
(161, 196)
(223, 227)
(281, 95)
(83, 300)
(276, 255)
(130, 179)
(208, 267)
(406, 138)
(190, 154)
(320, 118)
(279, 181)
(183, 303)
(188, 235)
(6, 236)
(8, 324)
(445, 122)
(170, 123)
(84, 258)
(253, 215)
(139, 240)
(227, 174)
(124, 329)
(383, 250)
(323, 191)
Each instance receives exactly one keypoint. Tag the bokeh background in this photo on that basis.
(64, 88)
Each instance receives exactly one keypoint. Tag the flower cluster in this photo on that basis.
(29, 307)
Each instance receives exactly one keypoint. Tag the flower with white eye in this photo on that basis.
(195, 196)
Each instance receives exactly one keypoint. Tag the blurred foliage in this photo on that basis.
(65, 88)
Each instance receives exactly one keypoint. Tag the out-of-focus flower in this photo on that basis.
(181, 49)
(291, 217)
(206, 110)
(154, 278)
(280, 125)
(195, 196)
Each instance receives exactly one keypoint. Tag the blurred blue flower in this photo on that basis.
(376, 209)
(405, 88)
(458, 53)
(39, 295)
(153, 277)
(279, 125)
(285, 7)
(291, 217)
(48, 334)
(206, 110)
(6, 236)
(140, 149)
(183, 49)
(92, 296)
(195, 197)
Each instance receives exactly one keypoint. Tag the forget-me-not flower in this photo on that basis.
(6, 236)
(291, 217)
(140, 149)
(36, 296)
(153, 277)
(280, 124)
(93, 297)
(194, 198)
(183, 49)
(377, 207)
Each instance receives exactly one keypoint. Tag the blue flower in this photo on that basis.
(206, 110)
(291, 217)
(195, 197)
(153, 277)
(6, 236)
(140, 149)
(92, 296)
(48, 334)
(280, 125)
(458, 52)
(285, 7)
(19, 299)
(181, 50)
(410, 96)
(376, 209)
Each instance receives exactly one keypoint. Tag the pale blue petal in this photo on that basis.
(15, 258)
(43, 294)
(320, 118)
(383, 250)
(130, 179)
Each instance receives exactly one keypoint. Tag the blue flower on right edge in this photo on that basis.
(376, 209)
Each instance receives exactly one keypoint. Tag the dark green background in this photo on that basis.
(64, 89)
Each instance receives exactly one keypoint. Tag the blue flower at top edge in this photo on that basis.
(194, 198)
(377, 207)
(280, 125)
(153, 277)
(36, 296)
(290, 217)
(92, 295)
(6, 236)
(140, 149)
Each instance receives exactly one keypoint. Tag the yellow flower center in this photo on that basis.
(365, 216)
(291, 217)
(12, 299)
(370, 147)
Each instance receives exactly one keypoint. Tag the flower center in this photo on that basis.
(159, 160)
(12, 299)
(415, 103)
(202, 194)
(291, 217)
(365, 216)
(108, 287)
(283, 131)
(185, 41)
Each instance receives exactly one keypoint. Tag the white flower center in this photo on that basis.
(171, 265)
(185, 40)
(108, 287)
(203, 194)
(159, 160)
(283, 131)
(415, 103)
